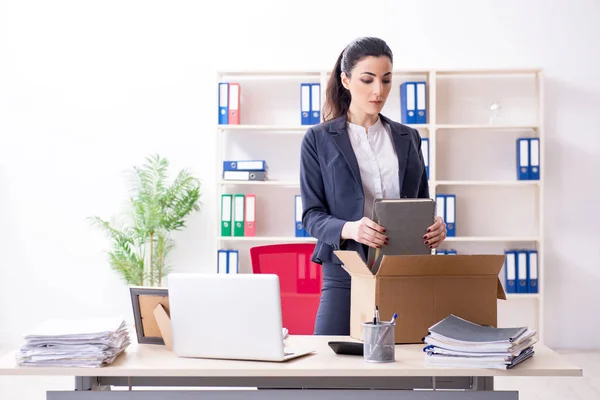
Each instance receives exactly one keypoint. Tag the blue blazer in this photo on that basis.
(331, 187)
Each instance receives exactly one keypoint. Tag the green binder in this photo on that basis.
(226, 215)
(238, 214)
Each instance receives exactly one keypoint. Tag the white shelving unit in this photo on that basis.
(470, 156)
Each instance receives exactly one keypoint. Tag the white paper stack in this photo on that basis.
(457, 343)
(87, 342)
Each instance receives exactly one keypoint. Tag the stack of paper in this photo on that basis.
(455, 342)
(93, 342)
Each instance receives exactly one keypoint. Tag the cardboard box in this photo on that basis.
(422, 290)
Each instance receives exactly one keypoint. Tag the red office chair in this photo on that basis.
(300, 282)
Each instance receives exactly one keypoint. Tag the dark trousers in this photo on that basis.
(333, 315)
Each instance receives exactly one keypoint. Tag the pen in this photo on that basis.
(385, 332)
(377, 314)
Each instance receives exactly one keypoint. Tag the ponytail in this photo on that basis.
(337, 96)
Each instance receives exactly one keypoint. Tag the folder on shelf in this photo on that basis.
(244, 165)
(522, 271)
(522, 159)
(223, 103)
(451, 252)
(440, 206)
(250, 217)
(450, 214)
(532, 275)
(234, 103)
(244, 175)
(226, 200)
(233, 262)
(408, 99)
(425, 151)
(227, 261)
(222, 260)
(299, 230)
(238, 215)
(440, 252)
(510, 271)
(305, 104)
(421, 116)
(315, 103)
(534, 158)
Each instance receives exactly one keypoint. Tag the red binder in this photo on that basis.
(250, 226)
(234, 103)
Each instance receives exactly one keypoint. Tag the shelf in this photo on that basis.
(519, 296)
(265, 128)
(486, 127)
(488, 183)
(462, 137)
(283, 128)
(492, 239)
(261, 183)
(431, 183)
(283, 239)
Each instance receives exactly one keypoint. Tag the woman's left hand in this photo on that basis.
(435, 234)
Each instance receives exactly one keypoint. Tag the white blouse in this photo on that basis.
(377, 162)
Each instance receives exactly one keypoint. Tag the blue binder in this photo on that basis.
(450, 215)
(534, 158)
(510, 271)
(244, 165)
(532, 271)
(298, 227)
(223, 103)
(315, 103)
(222, 261)
(421, 101)
(305, 104)
(233, 261)
(425, 151)
(522, 159)
(408, 103)
(440, 252)
(451, 252)
(522, 271)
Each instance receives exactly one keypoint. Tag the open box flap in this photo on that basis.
(353, 263)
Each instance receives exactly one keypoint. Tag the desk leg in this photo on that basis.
(482, 383)
(89, 383)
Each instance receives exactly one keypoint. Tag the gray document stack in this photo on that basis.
(94, 342)
(405, 221)
(455, 342)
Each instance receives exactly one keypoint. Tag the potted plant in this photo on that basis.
(141, 238)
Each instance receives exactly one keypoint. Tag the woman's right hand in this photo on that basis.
(365, 231)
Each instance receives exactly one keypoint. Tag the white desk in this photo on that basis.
(153, 365)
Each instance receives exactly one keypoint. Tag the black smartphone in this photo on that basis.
(352, 348)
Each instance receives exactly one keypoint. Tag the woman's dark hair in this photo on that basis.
(337, 96)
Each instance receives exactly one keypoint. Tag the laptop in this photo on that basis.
(224, 316)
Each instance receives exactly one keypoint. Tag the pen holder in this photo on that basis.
(379, 342)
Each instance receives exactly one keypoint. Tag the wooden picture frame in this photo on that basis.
(144, 301)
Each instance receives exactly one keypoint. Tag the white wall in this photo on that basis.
(87, 89)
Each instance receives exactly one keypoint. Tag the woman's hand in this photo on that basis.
(436, 233)
(365, 231)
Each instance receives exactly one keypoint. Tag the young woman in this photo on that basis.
(356, 155)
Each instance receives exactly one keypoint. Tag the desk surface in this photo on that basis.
(156, 360)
